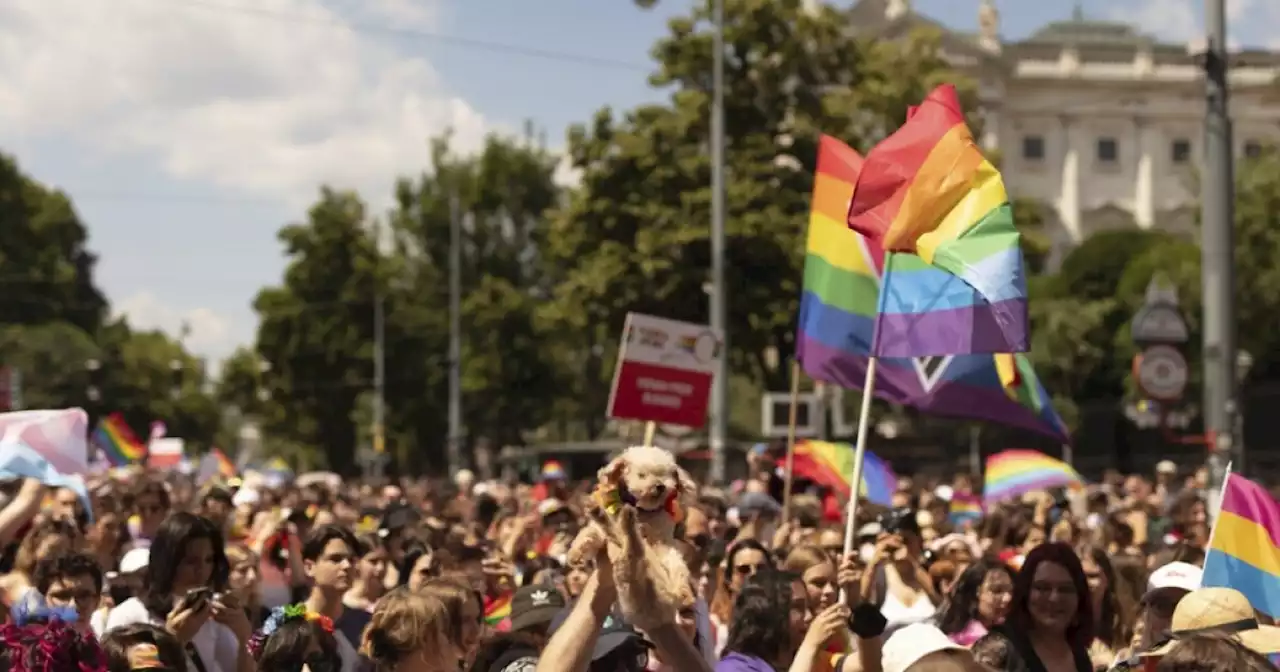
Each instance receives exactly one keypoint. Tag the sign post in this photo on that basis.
(665, 372)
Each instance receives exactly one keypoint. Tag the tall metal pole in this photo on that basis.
(379, 368)
(1217, 250)
(719, 299)
(379, 382)
(455, 335)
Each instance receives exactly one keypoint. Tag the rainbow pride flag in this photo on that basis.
(965, 508)
(118, 442)
(552, 471)
(842, 276)
(1013, 473)
(928, 191)
(831, 465)
(1244, 548)
(497, 610)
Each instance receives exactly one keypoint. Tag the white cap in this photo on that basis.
(135, 560)
(464, 476)
(944, 492)
(1166, 467)
(1180, 575)
(246, 496)
(907, 646)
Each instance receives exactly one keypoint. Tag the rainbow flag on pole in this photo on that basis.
(1244, 548)
(842, 277)
(831, 465)
(928, 191)
(118, 442)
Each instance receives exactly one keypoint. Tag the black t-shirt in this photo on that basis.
(1026, 653)
(351, 624)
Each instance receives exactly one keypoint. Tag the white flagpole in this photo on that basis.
(860, 451)
(1217, 507)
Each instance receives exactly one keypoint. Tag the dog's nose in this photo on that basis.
(660, 488)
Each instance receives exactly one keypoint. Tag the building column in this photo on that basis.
(1144, 197)
(1069, 193)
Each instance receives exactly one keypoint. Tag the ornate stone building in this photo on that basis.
(1095, 119)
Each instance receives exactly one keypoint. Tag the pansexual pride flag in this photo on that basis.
(118, 442)
(928, 191)
(1244, 549)
(842, 274)
(831, 465)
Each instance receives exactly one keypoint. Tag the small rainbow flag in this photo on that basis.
(831, 465)
(118, 442)
(1014, 473)
(965, 508)
(226, 468)
(497, 609)
(1244, 548)
(928, 191)
(552, 471)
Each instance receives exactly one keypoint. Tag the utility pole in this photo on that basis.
(455, 335)
(1217, 253)
(719, 298)
(379, 368)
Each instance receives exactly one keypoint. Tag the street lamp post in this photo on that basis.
(93, 392)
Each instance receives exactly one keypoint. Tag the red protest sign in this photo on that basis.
(665, 371)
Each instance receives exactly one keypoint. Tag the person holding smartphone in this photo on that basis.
(184, 591)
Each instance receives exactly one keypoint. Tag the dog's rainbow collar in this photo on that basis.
(612, 498)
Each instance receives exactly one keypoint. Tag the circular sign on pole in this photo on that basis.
(1161, 372)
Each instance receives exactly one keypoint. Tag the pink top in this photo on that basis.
(972, 632)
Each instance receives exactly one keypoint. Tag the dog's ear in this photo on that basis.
(687, 487)
(612, 473)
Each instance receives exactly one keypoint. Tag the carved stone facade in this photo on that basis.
(1094, 118)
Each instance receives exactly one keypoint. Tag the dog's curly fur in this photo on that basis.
(640, 537)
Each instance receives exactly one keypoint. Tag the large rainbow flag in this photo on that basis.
(1013, 473)
(1244, 549)
(831, 465)
(842, 274)
(928, 191)
(117, 441)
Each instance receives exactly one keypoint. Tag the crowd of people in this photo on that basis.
(156, 572)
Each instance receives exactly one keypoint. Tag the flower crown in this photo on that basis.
(286, 614)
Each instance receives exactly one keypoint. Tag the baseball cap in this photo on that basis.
(535, 605)
(907, 646)
(135, 560)
(615, 634)
(1175, 575)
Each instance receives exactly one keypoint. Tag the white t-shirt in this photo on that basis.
(217, 645)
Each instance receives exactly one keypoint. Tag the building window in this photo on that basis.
(1108, 150)
(1033, 148)
(1180, 151)
(1252, 149)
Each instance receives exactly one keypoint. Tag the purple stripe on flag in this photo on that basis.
(1250, 501)
(983, 328)
(897, 382)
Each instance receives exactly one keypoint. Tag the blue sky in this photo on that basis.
(189, 131)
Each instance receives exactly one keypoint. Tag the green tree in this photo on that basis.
(316, 329)
(47, 268)
(504, 194)
(635, 236)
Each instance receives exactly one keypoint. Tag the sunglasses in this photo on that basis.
(747, 570)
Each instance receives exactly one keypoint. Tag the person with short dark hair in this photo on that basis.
(70, 580)
(329, 558)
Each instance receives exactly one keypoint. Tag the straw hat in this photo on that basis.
(1222, 610)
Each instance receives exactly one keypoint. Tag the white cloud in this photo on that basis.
(267, 96)
(207, 334)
